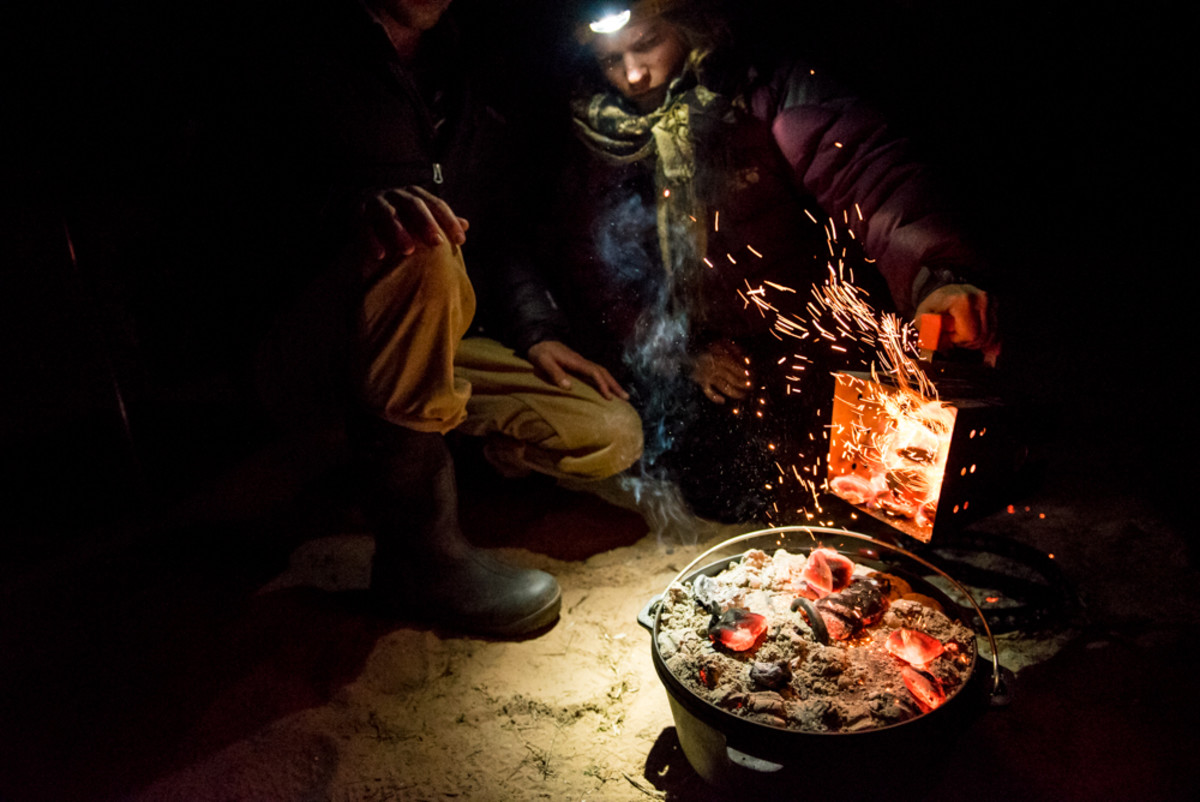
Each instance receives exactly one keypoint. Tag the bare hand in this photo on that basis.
(721, 371)
(555, 359)
(973, 317)
(399, 219)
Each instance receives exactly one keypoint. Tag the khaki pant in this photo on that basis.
(412, 367)
(574, 433)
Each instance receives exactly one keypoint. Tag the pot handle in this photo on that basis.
(646, 616)
(751, 763)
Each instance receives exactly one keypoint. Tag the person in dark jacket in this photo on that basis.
(391, 183)
(700, 175)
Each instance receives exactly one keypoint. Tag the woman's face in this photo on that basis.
(641, 60)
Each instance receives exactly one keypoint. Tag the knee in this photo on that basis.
(626, 434)
(429, 277)
(617, 442)
(439, 269)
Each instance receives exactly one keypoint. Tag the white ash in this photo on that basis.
(845, 686)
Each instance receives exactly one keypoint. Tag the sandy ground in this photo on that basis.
(571, 713)
(169, 669)
(352, 709)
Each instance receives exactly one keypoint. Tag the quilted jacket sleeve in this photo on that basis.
(844, 153)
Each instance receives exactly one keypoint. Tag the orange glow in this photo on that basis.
(926, 689)
(913, 647)
(826, 571)
(902, 457)
(737, 629)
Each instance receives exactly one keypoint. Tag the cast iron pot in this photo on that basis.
(734, 752)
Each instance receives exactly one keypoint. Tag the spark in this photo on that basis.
(914, 422)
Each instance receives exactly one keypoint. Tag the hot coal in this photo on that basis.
(736, 629)
(914, 648)
(786, 677)
(846, 612)
(925, 688)
(826, 571)
(772, 676)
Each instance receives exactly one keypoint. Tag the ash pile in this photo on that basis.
(812, 642)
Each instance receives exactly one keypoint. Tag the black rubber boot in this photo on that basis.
(424, 568)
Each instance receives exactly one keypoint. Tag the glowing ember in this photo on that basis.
(926, 689)
(846, 612)
(890, 449)
(737, 629)
(827, 571)
(854, 488)
(795, 676)
(913, 647)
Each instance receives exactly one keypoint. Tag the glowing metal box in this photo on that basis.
(960, 478)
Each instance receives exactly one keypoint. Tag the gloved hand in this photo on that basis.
(972, 314)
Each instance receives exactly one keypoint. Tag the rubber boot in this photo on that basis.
(424, 567)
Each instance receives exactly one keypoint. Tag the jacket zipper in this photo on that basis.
(437, 173)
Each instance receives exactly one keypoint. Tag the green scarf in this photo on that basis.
(619, 136)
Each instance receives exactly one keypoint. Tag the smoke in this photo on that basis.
(624, 241)
(655, 354)
(661, 504)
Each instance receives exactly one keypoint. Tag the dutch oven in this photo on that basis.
(730, 751)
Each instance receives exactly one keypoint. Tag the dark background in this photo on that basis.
(1059, 123)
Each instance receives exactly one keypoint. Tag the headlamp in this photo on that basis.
(610, 23)
(611, 17)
